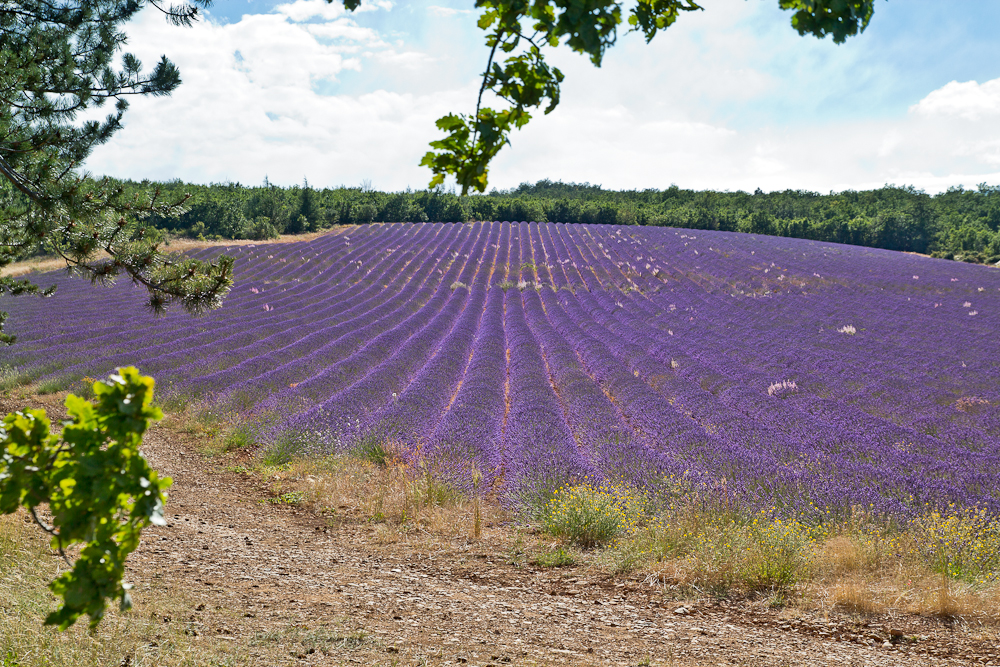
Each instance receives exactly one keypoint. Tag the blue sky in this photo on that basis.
(728, 98)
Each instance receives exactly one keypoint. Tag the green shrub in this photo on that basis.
(12, 376)
(777, 554)
(724, 550)
(287, 447)
(239, 437)
(289, 498)
(590, 516)
(963, 543)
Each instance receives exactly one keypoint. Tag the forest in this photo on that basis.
(961, 224)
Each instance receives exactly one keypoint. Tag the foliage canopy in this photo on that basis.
(956, 224)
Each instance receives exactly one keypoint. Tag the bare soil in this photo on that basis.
(342, 595)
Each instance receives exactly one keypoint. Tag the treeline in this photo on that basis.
(957, 224)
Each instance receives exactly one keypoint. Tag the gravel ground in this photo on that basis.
(274, 580)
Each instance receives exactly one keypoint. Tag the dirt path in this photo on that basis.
(268, 577)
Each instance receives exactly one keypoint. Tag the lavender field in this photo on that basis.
(774, 371)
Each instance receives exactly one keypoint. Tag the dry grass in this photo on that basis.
(401, 501)
(861, 567)
(913, 590)
(839, 556)
(866, 572)
(942, 564)
(136, 638)
(724, 553)
(176, 244)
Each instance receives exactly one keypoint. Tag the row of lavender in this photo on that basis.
(523, 355)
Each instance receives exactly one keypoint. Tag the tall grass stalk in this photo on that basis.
(477, 515)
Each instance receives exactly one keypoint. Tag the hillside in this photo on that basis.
(520, 357)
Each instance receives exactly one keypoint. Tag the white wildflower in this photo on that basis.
(782, 388)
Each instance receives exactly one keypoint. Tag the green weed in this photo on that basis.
(426, 490)
(963, 544)
(55, 384)
(558, 557)
(240, 436)
(12, 376)
(173, 403)
(372, 448)
(287, 448)
(289, 498)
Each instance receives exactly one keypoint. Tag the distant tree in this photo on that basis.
(269, 202)
(760, 222)
(309, 214)
(396, 208)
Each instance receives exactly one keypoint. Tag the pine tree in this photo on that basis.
(56, 60)
(309, 215)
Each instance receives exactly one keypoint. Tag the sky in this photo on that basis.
(729, 98)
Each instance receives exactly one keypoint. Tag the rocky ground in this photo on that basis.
(278, 584)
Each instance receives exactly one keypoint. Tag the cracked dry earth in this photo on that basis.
(256, 571)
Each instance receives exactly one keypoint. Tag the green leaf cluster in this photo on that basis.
(839, 18)
(100, 490)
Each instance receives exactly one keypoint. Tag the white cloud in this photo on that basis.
(248, 107)
(409, 60)
(447, 11)
(718, 102)
(968, 100)
(301, 10)
(345, 29)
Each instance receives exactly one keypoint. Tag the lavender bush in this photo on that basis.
(765, 372)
